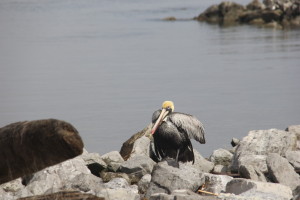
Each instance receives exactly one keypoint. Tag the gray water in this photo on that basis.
(106, 65)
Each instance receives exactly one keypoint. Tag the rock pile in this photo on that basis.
(269, 13)
(261, 166)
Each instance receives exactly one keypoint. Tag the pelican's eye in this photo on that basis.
(169, 109)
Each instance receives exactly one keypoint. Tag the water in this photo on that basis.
(106, 65)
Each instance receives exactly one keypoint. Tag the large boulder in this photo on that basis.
(281, 171)
(261, 143)
(166, 178)
(251, 172)
(260, 190)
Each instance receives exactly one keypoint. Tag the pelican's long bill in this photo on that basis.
(161, 117)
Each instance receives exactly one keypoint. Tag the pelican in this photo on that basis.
(172, 132)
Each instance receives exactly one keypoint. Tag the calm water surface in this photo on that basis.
(106, 65)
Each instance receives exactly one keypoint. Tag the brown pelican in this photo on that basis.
(172, 132)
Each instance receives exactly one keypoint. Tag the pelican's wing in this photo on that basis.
(189, 124)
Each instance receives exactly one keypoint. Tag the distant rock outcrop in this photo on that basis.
(270, 13)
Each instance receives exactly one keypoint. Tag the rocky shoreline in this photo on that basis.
(263, 165)
(279, 14)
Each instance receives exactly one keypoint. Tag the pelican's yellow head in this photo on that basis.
(167, 107)
(168, 104)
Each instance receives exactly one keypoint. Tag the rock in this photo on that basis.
(13, 186)
(141, 147)
(94, 162)
(294, 158)
(143, 184)
(261, 143)
(127, 146)
(250, 188)
(166, 178)
(226, 13)
(234, 142)
(30, 146)
(108, 176)
(296, 193)
(281, 171)
(251, 172)
(255, 5)
(295, 128)
(216, 183)
(53, 179)
(138, 165)
(64, 195)
(113, 160)
(220, 169)
(221, 157)
(200, 163)
(257, 161)
(119, 189)
(181, 195)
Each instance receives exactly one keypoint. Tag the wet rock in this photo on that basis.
(200, 163)
(281, 171)
(261, 143)
(119, 189)
(127, 146)
(94, 162)
(249, 188)
(221, 157)
(216, 183)
(294, 158)
(143, 184)
(54, 141)
(138, 165)
(113, 160)
(251, 172)
(166, 178)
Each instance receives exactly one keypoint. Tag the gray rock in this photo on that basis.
(141, 147)
(216, 183)
(220, 169)
(262, 142)
(143, 184)
(166, 178)
(249, 188)
(257, 161)
(200, 163)
(181, 195)
(113, 160)
(295, 128)
(108, 176)
(281, 171)
(13, 186)
(250, 172)
(221, 157)
(234, 142)
(53, 179)
(296, 193)
(294, 158)
(5, 195)
(94, 162)
(161, 196)
(119, 189)
(137, 165)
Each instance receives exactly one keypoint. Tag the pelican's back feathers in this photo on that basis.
(188, 124)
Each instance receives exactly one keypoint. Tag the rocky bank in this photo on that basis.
(263, 165)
